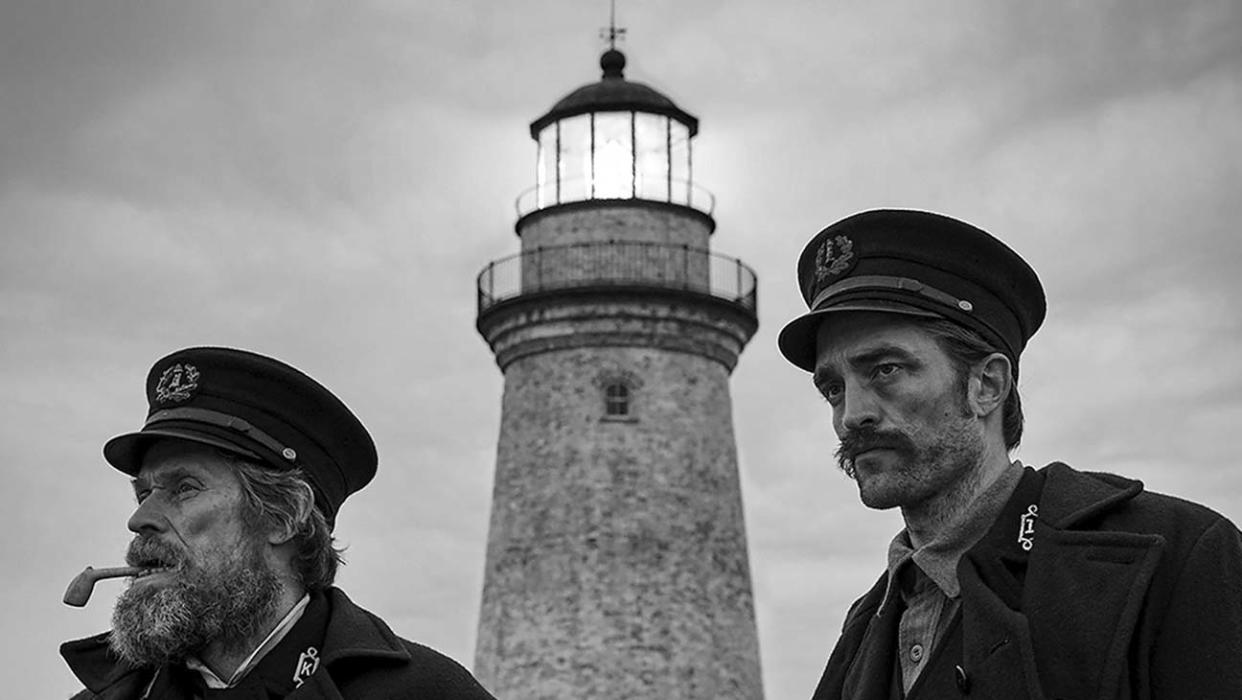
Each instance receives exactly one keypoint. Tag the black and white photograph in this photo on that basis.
(621, 349)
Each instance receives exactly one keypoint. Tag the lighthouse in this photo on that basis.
(617, 563)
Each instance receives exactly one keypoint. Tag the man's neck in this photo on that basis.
(224, 657)
(926, 520)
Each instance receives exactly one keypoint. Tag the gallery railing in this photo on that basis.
(618, 264)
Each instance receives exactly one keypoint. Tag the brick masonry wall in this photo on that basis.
(630, 222)
(617, 563)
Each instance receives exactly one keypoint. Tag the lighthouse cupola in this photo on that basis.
(614, 139)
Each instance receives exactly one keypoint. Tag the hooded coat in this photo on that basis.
(1126, 595)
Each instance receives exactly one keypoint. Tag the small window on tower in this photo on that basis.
(616, 400)
(620, 389)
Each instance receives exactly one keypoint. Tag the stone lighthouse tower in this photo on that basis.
(616, 556)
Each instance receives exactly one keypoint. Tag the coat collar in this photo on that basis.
(1080, 599)
(101, 671)
(352, 633)
(1072, 497)
(1025, 648)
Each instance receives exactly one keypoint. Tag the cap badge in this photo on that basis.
(177, 383)
(835, 257)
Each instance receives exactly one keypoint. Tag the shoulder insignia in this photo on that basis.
(1026, 527)
(308, 663)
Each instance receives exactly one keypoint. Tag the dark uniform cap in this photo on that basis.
(256, 407)
(920, 264)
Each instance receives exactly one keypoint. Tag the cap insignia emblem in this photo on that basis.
(177, 383)
(835, 257)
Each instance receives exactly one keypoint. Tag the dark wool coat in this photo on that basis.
(361, 659)
(1127, 595)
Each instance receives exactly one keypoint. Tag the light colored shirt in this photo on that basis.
(277, 634)
(930, 588)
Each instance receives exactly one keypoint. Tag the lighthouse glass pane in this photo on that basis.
(614, 156)
(679, 162)
(651, 148)
(575, 158)
(545, 168)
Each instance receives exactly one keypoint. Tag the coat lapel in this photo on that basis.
(997, 650)
(1085, 588)
(870, 676)
(101, 672)
(1081, 598)
(351, 634)
(857, 621)
(319, 686)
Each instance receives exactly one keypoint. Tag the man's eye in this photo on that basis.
(184, 488)
(831, 392)
(142, 495)
(886, 370)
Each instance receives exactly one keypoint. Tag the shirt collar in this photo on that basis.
(938, 558)
(273, 638)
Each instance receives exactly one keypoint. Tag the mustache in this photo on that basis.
(150, 552)
(857, 441)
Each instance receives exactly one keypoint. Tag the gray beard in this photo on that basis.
(154, 626)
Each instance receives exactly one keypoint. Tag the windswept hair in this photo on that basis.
(965, 348)
(285, 502)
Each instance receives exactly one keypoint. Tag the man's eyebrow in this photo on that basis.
(871, 356)
(169, 475)
(865, 358)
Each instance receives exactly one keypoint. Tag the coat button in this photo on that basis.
(963, 680)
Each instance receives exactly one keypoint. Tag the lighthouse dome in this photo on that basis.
(613, 93)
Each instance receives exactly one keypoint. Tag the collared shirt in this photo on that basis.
(277, 634)
(929, 589)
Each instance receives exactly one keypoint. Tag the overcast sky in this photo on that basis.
(321, 181)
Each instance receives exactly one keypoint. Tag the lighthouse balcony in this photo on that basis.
(617, 266)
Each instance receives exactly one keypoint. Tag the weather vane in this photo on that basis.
(612, 33)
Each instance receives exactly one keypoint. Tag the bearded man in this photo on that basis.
(239, 472)
(1007, 582)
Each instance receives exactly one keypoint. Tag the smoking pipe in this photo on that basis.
(81, 587)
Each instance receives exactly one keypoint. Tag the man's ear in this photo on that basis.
(991, 382)
(277, 536)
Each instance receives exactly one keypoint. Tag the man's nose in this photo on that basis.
(148, 516)
(858, 408)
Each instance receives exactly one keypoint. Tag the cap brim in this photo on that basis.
(797, 339)
(124, 452)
